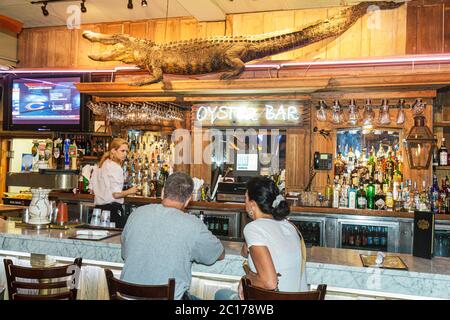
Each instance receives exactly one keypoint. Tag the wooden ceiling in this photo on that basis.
(116, 10)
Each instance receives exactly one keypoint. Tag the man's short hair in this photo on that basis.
(178, 187)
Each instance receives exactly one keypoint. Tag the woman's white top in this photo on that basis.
(283, 242)
(105, 181)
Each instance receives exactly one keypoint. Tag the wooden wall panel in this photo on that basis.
(428, 26)
(361, 40)
(63, 48)
(297, 158)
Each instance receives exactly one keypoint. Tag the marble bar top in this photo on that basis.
(333, 266)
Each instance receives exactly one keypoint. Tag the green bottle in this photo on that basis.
(361, 201)
(370, 195)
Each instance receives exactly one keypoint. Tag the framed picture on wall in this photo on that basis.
(27, 162)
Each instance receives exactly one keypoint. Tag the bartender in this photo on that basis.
(107, 182)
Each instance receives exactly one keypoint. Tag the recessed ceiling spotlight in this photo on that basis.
(144, 3)
(83, 6)
(130, 4)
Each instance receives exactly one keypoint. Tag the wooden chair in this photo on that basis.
(122, 290)
(255, 293)
(48, 278)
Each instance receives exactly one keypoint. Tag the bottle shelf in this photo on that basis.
(441, 124)
(442, 168)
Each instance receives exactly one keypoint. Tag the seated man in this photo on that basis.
(160, 241)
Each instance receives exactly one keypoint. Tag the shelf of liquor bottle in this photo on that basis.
(140, 200)
(441, 124)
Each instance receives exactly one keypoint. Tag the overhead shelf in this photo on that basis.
(442, 124)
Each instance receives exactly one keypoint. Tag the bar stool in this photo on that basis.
(122, 290)
(48, 279)
(255, 293)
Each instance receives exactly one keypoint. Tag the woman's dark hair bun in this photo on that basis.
(264, 192)
(281, 211)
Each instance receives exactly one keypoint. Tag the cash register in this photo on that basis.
(246, 166)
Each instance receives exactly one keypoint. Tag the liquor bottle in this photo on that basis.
(66, 153)
(343, 201)
(435, 153)
(339, 165)
(442, 208)
(386, 184)
(350, 160)
(389, 200)
(352, 197)
(424, 201)
(434, 193)
(406, 196)
(371, 163)
(380, 200)
(416, 197)
(336, 193)
(329, 191)
(361, 198)
(370, 195)
(73, 152)
(443, 154)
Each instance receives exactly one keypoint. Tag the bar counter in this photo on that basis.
(227, 206)
(338, 268)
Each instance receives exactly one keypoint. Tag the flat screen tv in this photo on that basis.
(45, 102)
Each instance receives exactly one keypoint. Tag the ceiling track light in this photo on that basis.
(44, 9)
(83, 6)
(144, 3)
(46, 2)
(130, 4)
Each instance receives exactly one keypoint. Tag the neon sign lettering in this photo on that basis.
(247, 113)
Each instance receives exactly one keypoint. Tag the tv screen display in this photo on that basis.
(247, 162)
(45, 101)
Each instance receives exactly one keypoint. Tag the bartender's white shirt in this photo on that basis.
(105, 181)
(283, 243)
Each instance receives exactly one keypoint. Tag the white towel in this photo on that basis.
(98, 233)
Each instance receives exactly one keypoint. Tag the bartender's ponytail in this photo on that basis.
(115, 144)
(268, 198)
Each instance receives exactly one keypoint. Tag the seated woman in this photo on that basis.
(272, 243)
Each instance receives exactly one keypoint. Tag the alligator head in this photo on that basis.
(126, 48)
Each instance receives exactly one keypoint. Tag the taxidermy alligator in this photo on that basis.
(227, 53)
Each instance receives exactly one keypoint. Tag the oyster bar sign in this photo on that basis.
(246, 114)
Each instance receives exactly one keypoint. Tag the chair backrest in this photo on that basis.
(62, 279)
(122, 290)
(255, 293)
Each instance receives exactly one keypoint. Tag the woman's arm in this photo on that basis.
(244, 250)
(266, 275)
(123, 194)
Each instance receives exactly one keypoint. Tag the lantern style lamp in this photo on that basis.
(419, 144)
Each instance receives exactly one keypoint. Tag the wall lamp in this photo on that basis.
(45, 2)
(130, 4)
(144, 3)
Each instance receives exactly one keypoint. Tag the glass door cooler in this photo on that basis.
(442, 240)
(368, 235)
(311, 228)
